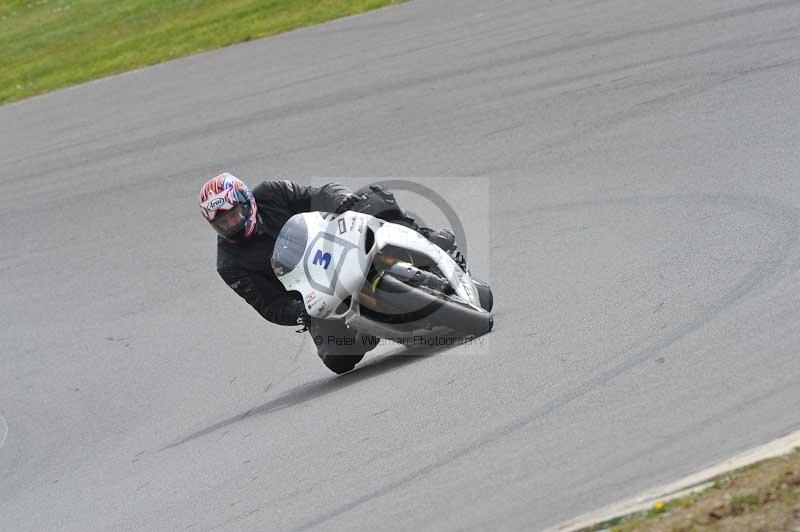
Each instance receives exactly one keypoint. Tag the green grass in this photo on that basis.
(765, 493)
(47, 44)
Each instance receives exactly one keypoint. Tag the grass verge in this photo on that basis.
(48, 44)
(764, 497)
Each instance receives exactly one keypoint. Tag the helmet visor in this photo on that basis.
(290, 246)
(228, 223)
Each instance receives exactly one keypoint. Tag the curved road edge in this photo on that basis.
(681, 487)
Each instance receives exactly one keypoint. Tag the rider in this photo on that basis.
(248, 224)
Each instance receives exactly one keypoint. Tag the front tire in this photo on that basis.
(341, 364)
(339, 348)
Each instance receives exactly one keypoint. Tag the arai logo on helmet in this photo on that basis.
(215, 203)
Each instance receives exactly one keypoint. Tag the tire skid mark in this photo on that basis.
(766, 274)
(4, 424)
(351, 95)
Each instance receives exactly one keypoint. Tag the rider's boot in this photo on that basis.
(446, 240)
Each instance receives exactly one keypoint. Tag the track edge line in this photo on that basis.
(681, 487)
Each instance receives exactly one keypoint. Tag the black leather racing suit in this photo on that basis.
(245, 265)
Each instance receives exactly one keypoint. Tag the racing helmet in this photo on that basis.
(229, 206)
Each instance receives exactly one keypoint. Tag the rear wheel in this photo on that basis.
(485, 294)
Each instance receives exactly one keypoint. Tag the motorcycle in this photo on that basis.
(381, 278)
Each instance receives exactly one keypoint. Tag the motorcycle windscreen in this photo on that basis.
(290, 246)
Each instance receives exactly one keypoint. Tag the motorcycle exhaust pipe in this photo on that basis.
(410, 274)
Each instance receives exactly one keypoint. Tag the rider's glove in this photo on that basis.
(347, 203)
(295, 311)
(303, 322)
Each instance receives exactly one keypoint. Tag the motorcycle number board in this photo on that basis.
(324, 260)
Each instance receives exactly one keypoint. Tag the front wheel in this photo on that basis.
(340, 364)
(339, 348)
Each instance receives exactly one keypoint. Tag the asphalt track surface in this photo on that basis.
(641, 228)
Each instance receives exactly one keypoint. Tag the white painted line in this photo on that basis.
(682, 487)
(5, 431)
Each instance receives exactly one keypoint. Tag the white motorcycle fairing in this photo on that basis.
(327, 258)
